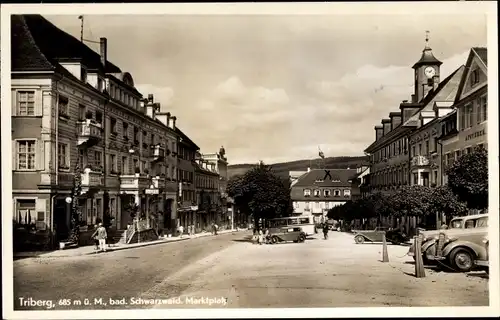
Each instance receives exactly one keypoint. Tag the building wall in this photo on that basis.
(424, 144)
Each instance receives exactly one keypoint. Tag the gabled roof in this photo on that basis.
(37, 44)
(202, 170)
(320, 178)
(482, 54)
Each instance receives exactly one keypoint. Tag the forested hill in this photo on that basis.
(283, 169)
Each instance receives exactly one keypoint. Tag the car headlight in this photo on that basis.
(485, 240)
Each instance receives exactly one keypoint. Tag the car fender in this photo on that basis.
(426, 245)
(364, 236)
(476, 249)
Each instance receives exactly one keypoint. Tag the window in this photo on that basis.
(317, 193)
(469, 150)
(427, 149)
(112, 207)
(413, 151)
(113, 163)
(327, 193)
(307, 192)
(336, 193)
(483, 109)
(307, 205)
(26, 103)
(136, 164)
(81, 112)
(469, 113)
(457, 154)
(125, 130)
(124, 165)
(63, 106)
(26, 154)
(419, 149)
(347, 193)
(98, 117)
(474, 77)
(98, 159)
(26, 214)
(113, 126)
(63, 156)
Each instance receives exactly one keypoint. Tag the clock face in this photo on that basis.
(429, 72)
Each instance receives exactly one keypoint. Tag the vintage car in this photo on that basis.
(460, 248)
(295, 234)
(429, 237)
(394, 236)
(484, 263)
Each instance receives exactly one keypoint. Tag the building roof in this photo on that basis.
(202, 170)
(482, 53)
(427, 58)
(37, 44)
(317, 178)
(446, 91)
(185, 138)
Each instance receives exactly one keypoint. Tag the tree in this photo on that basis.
(411, 201)
(443, 200)
(468, 178)
(261, 193)
(74, 234)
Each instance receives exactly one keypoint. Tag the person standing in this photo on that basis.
(101, 235)
(215, 228)
(181, 231)
(325, 230)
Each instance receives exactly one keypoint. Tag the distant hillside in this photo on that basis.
(282, 169)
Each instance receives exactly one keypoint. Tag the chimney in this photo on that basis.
(173, 122)
(395, 119)
(168, 119)
(150, 107)
(386, 124)
(103, 51)
(150, 97)
(413, 99)
(379, 132)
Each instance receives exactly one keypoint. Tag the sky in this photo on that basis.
(278, 87)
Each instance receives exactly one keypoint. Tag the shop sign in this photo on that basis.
(475, 135)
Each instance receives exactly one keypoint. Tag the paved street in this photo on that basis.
(235, 273)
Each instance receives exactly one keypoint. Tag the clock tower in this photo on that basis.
(426, 72)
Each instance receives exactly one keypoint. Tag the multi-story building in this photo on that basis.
(188, 206)
(76, 113)
(219, 162)
(319, 190)
(466, 128)
(208, 193)
(390, 154)
(362, 176)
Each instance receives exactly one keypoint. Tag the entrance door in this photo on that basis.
(61, 220)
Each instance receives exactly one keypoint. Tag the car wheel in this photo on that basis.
(274, 240)
(359, 239)
(461, 259)
(302, 238)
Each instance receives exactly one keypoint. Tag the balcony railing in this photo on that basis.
(134, 182)
(92, 178)
(89, 132)
(157, 152)
(418, 161)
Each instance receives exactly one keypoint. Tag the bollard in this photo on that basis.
(419, 262)
(385, 254)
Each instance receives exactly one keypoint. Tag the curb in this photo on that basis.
(132, 246)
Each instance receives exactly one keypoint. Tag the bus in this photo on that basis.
(305, 222)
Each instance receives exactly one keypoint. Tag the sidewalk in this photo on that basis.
(86, 250)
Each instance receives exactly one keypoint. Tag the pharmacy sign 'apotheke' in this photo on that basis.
(475, 134)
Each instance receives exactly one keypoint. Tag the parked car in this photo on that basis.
(429, 237)
(295, 234)
(394, 236)
(484, 263)
(460, 248)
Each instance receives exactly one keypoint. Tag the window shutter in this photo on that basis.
(14, 156)
(14, 103)
(40, 156)
(38, 103)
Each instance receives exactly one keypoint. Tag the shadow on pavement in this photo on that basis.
(482, 275)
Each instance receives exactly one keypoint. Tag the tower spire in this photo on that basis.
(427, 39)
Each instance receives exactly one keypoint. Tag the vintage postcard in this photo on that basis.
(250, 160)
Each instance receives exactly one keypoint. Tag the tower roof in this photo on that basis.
(427, 57)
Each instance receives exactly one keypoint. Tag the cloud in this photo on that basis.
(164, 95)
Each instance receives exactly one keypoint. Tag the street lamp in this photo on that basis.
(69, 200)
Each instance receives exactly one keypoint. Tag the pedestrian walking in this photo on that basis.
(96, 241)
(261, 237)
(193, 230)
(325, 230)
(180, 230)
(101, 235)
(215, 228)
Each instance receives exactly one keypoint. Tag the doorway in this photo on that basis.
(61, 219)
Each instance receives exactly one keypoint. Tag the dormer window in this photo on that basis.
(319, 180)
(347, 193)
(335, 180)
(307, 192)
(327, 193)
(317, 193)
(336, 193)
(474, 77)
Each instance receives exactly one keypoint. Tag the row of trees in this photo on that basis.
(467, 188)
(261, 194)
